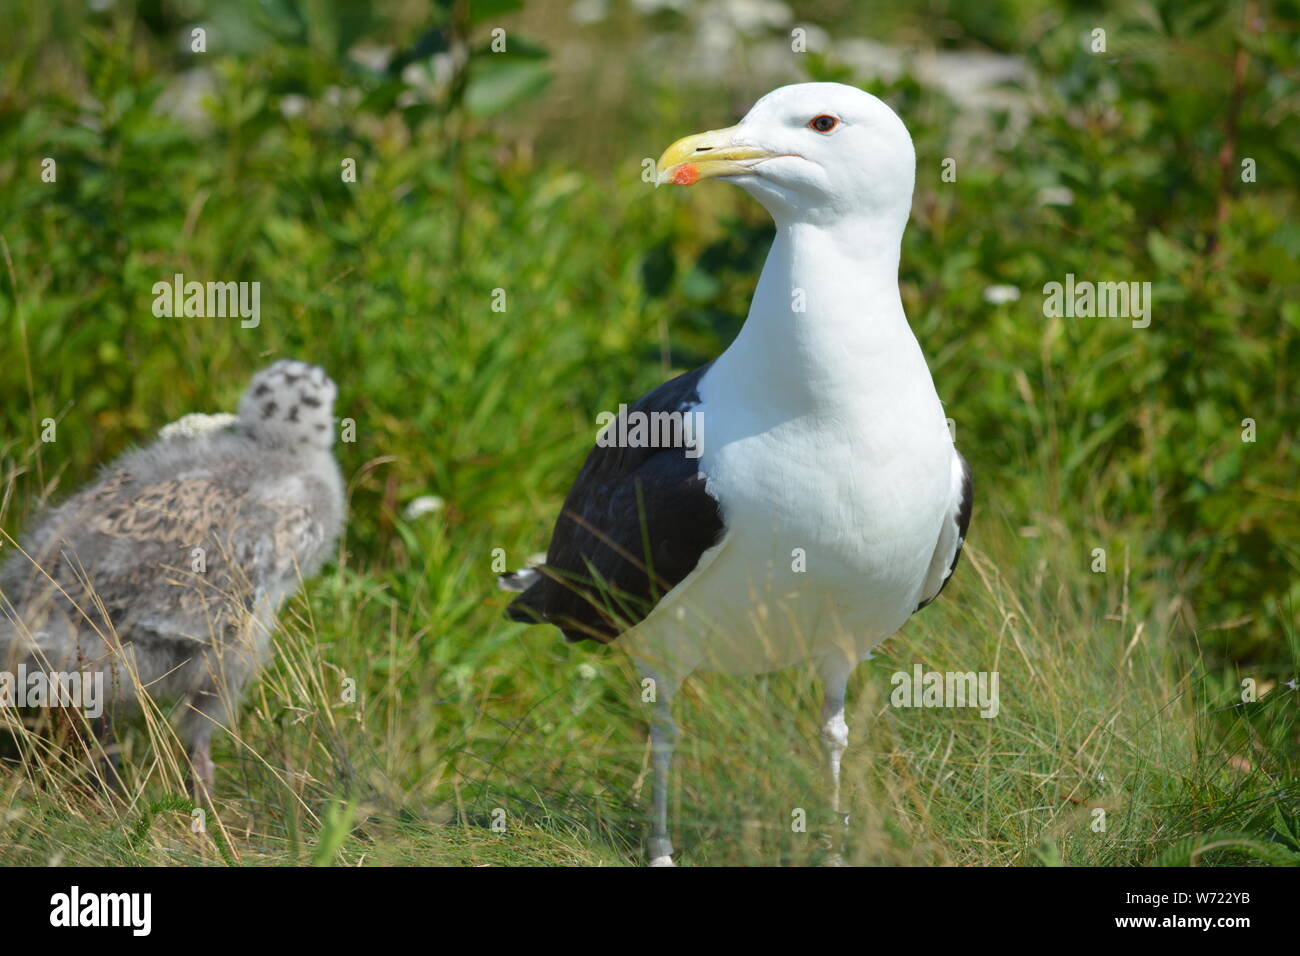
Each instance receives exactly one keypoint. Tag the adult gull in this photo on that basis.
(823, 501)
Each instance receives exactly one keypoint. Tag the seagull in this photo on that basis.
(823, 501)
(165, 575)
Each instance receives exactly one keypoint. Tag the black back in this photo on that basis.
(634, 524)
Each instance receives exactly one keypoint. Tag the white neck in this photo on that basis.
(852, 334)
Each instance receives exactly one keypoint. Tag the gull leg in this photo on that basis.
(200, 752)
(206, 711)
(110, 760)
(834, 670)
(663, 737)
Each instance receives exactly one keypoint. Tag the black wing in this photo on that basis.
(951, 537)
(634, 524)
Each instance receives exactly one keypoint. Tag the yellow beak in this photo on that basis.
(706, 156)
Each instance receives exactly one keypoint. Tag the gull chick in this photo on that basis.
(166, 574)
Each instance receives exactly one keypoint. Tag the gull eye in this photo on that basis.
(824, 123)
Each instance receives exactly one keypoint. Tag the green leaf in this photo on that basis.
(1167, 255)
(483, 10)
(497, 86)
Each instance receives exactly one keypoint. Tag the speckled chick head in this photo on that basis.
(290, 403)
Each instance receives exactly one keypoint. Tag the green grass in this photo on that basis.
(488, 744)
(473, 741)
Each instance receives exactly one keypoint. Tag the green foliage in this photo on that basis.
(476, 173)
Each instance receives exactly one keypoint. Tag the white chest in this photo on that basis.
(831, 520)
(825, 444)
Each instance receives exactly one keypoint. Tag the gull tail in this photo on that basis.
(518, 581)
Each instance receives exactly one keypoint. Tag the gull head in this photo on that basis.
(290, 404)
(814, 152)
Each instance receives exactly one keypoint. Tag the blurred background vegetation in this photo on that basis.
(520, 170)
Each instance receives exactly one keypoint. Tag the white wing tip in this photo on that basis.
(516, 581)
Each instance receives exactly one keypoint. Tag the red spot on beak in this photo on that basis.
(685, 175)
